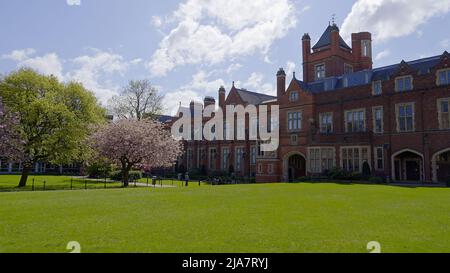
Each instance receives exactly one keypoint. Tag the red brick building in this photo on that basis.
(345, 114)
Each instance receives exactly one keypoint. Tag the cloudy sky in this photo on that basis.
(189, 48)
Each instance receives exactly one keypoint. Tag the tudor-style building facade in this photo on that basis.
(346, 114)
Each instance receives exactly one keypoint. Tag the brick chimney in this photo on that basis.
(281, 83)
(306, 45)
(222, 96)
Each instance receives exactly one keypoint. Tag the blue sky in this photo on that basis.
(189, 48)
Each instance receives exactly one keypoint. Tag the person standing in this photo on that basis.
(186, 179)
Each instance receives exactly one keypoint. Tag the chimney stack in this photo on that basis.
(306, 44)
(281, 83)
(222, 97)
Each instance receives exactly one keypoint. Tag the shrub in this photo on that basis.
(132, 176)
(376, 180)
(337, 174)
(98, 170)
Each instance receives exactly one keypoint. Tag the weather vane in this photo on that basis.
(333, 18)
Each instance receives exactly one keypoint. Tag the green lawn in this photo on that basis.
(10, 182)
(236, 218)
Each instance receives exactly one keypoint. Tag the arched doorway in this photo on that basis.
(294, 166)
(441, 166)
(407, 165)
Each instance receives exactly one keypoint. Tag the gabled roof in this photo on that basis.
(325, 39)
(253, 97)
(422, 66)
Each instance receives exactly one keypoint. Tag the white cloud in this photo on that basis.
(445, 44)
(383, 54)
(157, 21)
(256, 83)
(19, 55)
(73, 2)
(90, 70)
(49, 64)
(210, 31)
(290, 68)
(388, 19)
(233, 67)
(200, 85)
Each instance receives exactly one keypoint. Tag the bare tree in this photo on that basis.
(139, 100)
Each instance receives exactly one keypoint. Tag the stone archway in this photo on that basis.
(440, 166)
(294, 166)
(408, 165)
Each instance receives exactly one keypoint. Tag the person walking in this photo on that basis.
(186, 179)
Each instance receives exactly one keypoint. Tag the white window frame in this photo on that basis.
(397, 116)
(298, 121)
(364, 129)
(316, 72)
(403, 79)
(293, 96)
(225, 162)
(238, 159)
(440, 113)
(374, 84)
(316, 164)
(254, 155)
(374, 110)
(377, 158)
(322, 125)
(447, 77)
(360, 156)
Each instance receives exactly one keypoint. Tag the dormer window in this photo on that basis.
(294, 96)
(348, 69)
(443, 77)
(320, 71)
(377, 88)
(345, 82)
(403, 84)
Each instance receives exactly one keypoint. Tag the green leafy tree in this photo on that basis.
(54, 118)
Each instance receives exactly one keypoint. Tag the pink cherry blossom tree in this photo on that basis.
(11, 144)
(143, 144)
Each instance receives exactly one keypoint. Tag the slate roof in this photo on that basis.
(423, 66)
(253, 97)
(164, 118)
(325, 39)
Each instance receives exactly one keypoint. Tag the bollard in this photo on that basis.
(199, 183)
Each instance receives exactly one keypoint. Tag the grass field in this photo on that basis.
(237, 218)
(10, 182)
